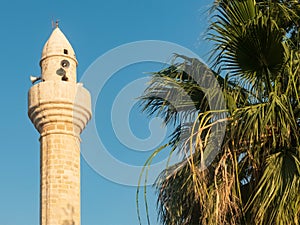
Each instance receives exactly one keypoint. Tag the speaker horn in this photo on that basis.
(34, 79)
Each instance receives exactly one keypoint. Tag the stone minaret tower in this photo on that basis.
(59, 108)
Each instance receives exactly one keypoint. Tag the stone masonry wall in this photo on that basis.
(60, 178)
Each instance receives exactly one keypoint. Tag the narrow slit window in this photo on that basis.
(66, 51)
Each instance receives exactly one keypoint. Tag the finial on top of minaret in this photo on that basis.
(56, 24)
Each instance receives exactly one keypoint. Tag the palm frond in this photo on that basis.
(252, 175)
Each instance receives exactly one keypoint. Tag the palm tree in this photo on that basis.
(255, 177)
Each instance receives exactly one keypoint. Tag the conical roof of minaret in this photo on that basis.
(58, 45)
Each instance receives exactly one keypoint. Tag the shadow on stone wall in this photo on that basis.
(68, 222)
(69, 212)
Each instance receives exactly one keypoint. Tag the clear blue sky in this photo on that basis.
(93, 28)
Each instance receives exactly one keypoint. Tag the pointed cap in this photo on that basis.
(58, 45)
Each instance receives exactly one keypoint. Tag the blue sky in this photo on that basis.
(93, 28)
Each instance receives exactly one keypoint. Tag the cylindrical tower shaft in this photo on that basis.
(60, 185)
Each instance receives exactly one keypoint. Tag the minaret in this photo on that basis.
(59, 108)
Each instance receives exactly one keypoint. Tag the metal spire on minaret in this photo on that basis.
(56, 24)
